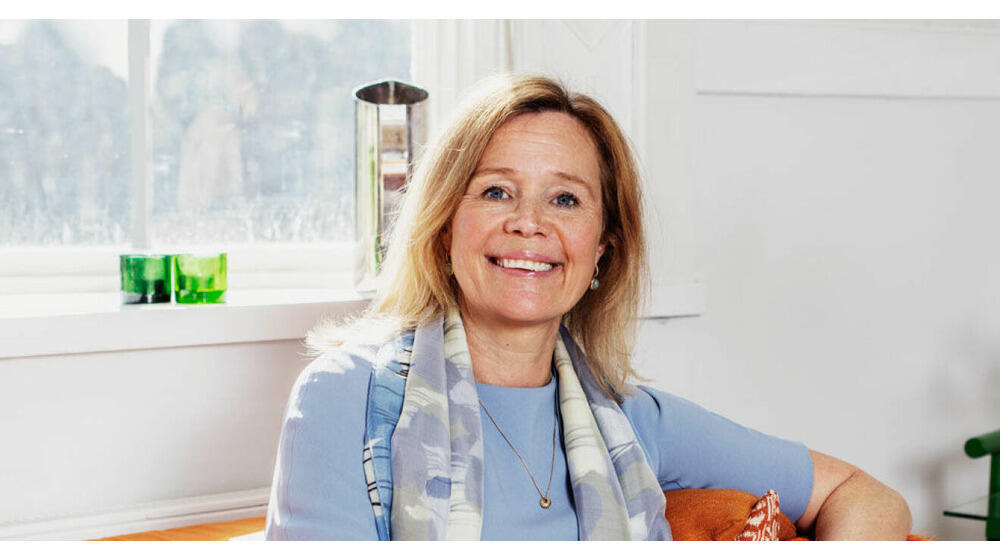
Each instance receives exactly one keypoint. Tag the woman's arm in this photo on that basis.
(319, 490)
(848, 504)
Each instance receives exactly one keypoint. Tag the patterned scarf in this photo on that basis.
(437, 448)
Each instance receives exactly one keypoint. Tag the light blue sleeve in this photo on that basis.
(690, 447)
(319, 490)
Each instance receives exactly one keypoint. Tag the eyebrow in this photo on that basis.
(511, 171)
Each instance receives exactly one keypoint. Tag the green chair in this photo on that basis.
(985, 509)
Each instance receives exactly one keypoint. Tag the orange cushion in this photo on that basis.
(703, 514)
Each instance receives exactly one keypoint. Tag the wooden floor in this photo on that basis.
(208, 532)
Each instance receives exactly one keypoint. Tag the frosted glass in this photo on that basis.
(64, 133)
(253, 126)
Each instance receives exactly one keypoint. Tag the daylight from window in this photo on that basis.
(252, 126)
(64, 133)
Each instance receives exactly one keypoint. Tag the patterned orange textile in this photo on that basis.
(764, 521)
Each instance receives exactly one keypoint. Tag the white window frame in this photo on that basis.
(66, 269)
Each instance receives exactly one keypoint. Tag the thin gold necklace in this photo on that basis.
(545, 502)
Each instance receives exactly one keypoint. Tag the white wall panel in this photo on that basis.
(890, 59)
(596, 57)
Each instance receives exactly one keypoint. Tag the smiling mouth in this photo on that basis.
(522, 264)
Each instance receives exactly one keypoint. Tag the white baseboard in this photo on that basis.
(155, 516)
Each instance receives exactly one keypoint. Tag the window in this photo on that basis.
(251, 140)
(64, 133)
(253, 126)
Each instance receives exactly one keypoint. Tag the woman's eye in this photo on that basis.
(567, 199)
(496, 193)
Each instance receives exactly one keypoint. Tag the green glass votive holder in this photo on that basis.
(200, 278)
(145, 278)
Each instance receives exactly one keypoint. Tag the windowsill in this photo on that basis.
(51, 324)
(39, 325)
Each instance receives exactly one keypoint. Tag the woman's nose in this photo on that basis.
(526, 219)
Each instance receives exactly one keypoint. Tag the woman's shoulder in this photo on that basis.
(649, 407)
(659, 415)
(644, 401)
(340, 373)
(346, 350)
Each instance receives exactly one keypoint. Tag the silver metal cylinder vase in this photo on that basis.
(390, 132)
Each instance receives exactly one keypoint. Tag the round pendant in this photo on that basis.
(545, 502)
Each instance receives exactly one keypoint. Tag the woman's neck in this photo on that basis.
(511, 356)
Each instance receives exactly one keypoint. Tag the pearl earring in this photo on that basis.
(595, 282)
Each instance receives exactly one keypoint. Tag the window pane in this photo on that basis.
(64, 133)
(253, 125)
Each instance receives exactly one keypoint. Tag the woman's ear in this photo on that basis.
(600, 251)
(445, 237)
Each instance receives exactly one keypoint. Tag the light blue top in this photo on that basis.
(319, 490)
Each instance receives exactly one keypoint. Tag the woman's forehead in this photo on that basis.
(547, 142)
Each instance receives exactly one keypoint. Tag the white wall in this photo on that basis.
(91, 432)
(118, 420)
(831, 185)
(846, 200)
(87, 434)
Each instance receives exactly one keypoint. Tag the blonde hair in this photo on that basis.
(415, 287)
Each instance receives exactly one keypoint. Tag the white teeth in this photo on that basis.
(526, 265)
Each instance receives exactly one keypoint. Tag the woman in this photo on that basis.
(497, 404)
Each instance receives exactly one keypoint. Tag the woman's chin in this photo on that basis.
(517, 305)
(516, 315)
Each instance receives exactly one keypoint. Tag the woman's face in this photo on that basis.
(527, 234)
